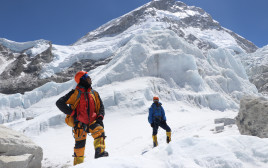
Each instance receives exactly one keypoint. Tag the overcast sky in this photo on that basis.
(65, 21)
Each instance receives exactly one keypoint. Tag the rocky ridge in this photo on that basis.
(22, 70)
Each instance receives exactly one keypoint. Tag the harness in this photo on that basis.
(76, 127)
(80, 125)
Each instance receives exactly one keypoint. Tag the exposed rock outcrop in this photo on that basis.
(17, 151)
(5, 53)
(23, 73)
(13, 82)
(252, 118)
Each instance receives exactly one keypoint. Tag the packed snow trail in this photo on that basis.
(193, 143)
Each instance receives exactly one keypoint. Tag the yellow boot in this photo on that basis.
(168, 137)
(155, 140)
(78, 160)
(99, 145)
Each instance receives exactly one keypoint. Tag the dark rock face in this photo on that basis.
(252, 118)
(12, 84)
(26, 64)
(5, 53)
(85, 65)
(15, 68)
(243, 43)
(22, 70)
(22, 74)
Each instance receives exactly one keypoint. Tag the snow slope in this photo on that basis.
(194, 144)
(195, 153)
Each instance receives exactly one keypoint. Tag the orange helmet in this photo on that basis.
(78, 75)
(155, 98)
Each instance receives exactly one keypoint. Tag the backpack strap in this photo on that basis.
(93, 95)
(79, 94)
(97, 100)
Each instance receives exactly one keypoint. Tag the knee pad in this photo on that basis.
(96, 130)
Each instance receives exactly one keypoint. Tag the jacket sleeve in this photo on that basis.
(101, 112)
(150, 117)
(163, 114)
(61, 103)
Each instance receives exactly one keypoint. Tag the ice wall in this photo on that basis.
(216, 79)
(156, 62)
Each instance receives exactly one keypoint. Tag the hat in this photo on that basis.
(155, 98)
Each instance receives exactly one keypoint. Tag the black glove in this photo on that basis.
(152, 124)
(99, 120)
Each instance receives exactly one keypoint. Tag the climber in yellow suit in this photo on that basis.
(85, 106)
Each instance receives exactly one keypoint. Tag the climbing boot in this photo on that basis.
(155, 143)
(168, 137)
(99, 154)
(78, 160)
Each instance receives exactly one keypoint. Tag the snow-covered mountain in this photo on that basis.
(163, 48)
(39, 62)
(189, 22)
